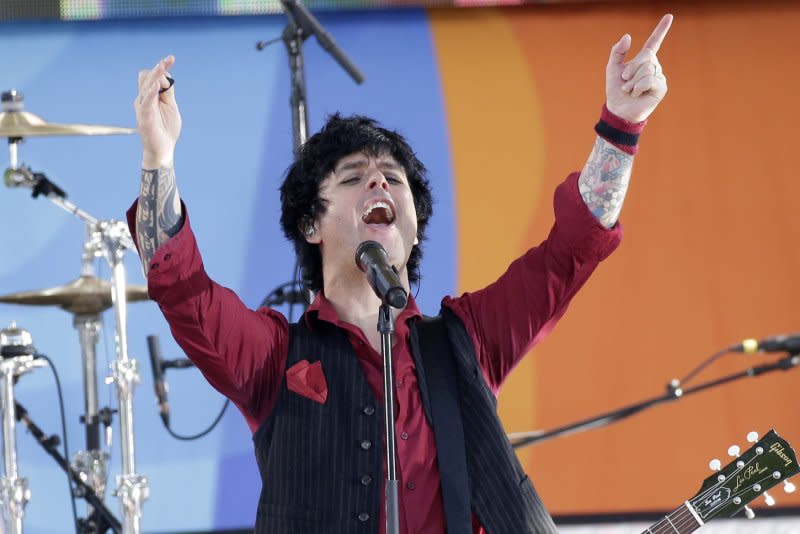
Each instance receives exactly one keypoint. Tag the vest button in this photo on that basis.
(404, 435)
(366, 444)
(366, 480)
(411, 486)
(369, 410)
(363, 517)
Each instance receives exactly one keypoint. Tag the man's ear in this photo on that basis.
(310, 232)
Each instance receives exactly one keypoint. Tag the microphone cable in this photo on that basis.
(159, 366)
(676, 384)
(205, 432)
(64, 433)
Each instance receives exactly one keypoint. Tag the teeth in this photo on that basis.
(379, 204)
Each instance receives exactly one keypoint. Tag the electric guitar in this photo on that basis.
(764, 465)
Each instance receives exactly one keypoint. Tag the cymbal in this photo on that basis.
(26, 124)
(85, 295)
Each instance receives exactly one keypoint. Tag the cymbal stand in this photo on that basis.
(110, 239)
(17, 359)
(92, 462)
(107, 239)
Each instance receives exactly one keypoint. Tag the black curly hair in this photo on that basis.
(300, 200)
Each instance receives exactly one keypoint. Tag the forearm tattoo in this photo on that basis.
(159, 215)
(604, 181)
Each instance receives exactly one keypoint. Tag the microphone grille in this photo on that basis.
(365, 247)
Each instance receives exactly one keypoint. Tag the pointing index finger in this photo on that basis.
(657, 37)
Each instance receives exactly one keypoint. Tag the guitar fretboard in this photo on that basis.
(682, 521)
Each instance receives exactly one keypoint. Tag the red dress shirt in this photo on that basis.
(242, 352)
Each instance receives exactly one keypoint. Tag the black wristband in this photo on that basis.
(615, 136)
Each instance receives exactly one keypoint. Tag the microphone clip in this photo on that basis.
(36, 181)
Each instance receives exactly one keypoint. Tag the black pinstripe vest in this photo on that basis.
(321, 465)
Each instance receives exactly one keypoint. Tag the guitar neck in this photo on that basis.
(681, 521)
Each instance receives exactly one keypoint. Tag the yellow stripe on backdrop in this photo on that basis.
(710, 253)
(496, 140)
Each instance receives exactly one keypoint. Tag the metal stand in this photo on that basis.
(293, 38)
(104, 519)
(17, 361)
(302, 25)
(110, 238)
(386, 328)
(106, 239)
(92, 462)
(674, 392)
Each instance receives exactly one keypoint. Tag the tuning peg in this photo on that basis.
(752, 437)
(768, 499)
(716, 465)
(734, 451)
(749, 513)
(788, 487)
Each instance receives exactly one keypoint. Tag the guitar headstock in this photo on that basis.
(768, 462)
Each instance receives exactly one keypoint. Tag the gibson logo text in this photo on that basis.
(777, 448)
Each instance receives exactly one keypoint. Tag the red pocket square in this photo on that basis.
(308, 380)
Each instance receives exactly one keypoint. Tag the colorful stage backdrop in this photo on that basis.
(500, 103)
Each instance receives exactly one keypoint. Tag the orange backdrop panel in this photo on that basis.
(710, 253)
(497, 147)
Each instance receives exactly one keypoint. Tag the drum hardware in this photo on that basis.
(15, 123)
(16, 348)
(101, 519)
(86, 298)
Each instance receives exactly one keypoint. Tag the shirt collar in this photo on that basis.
(322, 308)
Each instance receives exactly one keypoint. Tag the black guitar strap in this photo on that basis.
(440, 386)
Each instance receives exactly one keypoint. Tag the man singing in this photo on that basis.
(312, 391)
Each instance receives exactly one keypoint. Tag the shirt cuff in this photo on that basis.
(176, 270)
(619, 132)
(577, 227)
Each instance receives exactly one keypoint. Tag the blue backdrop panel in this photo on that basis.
(234, 149)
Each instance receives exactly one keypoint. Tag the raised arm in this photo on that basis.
(159, 215)
(633, 90)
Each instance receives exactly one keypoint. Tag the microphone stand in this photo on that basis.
(674, 392)
(293, 38)
(105, 519)
(301, 25)
(386, 328)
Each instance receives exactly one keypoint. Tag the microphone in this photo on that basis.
(787, 343)
(371, 258)
(159, 384)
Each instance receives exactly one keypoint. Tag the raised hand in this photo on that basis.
(157, 117)
(635, 88)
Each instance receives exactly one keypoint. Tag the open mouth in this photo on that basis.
(379, 212)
